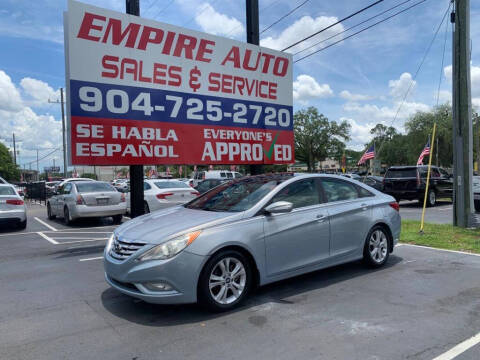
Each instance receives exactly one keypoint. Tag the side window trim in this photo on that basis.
(340, 201)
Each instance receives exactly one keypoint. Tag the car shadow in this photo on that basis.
(86, 222)
(79, 251)
(282, 292)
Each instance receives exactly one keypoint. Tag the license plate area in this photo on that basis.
(102, 201)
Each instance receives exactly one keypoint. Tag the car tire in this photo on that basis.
(215, 271)
(66, 216)
(431, 198)
(49, 212)
(117, 219)
(22, 224)
(146, 208)
(376, 248)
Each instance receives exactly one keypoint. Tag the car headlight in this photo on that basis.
(170, 248)
(109, 243)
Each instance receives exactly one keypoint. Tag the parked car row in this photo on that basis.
(12, 207)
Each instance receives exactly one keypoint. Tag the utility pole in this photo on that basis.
(38, 172)
(462, 116)
(253, 37)
(136, 171)
(437, 150)
(14, 151)
(476, 134)
(61, 102)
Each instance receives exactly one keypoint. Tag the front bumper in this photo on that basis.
(181, 272)
(80, 211)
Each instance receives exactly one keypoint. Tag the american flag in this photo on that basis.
(425, 152)
(369, 154)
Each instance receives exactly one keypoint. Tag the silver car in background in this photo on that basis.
(12, 207)
(247, 232)
(81, 199)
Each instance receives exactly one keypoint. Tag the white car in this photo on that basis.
(164, 193)
(65, 181)
(12, 207)
(214, 174)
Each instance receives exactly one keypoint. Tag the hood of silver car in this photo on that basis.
(156, 227)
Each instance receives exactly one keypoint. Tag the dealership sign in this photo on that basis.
(145, 92)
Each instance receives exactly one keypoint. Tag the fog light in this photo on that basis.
(158, 286)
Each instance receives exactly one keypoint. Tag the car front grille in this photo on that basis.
(122, 250)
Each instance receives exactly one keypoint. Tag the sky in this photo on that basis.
(362, 80)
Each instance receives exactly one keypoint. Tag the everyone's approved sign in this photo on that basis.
(144, 92)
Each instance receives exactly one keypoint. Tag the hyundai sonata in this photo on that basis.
(248, 232)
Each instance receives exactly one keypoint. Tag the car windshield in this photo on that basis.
(170, 184)
(234, 196)
(401, 173)
(93, 186)
(7, 190)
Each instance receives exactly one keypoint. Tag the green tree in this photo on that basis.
(89, 176)
(8, 170)
(317, 138)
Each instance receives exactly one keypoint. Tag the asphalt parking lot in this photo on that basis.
(55, 304)
(442, 213)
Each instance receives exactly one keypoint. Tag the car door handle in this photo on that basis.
(364, 206)
(321, 217)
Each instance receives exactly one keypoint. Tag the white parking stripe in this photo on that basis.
(445, 250)
(49, 239)
(94, 258)
(80, 241)
(45, 224)
(460, 348)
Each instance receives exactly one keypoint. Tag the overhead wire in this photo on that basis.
(284, 16)
(163, 9)
(443, 61)
(352, 27)
(334, 24)
(360, 31)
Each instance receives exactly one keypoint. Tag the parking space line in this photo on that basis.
(45, 224)
(80, 241)
(79, 232)
(94, 258)
(438, 249)
(49, 239)
(460, 348)
(80, 238)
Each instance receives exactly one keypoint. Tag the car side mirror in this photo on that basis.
(279, 207)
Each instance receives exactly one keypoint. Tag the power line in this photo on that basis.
(441, 67)
(42, 158)
(149, 6)
(360, 31)
(205, 8)
(284, 16)
(332, 25)
(352, 27)
(418, 70)
(163, 9)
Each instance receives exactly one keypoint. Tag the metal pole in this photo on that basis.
(63, 136)
(38, 173)
(462, 124)
(136, 171)
(437, 152)
(253, 37)
(477, 140)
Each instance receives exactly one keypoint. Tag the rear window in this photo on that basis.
(401, 173)
(84, 187)
(7, 190)
(170, 184)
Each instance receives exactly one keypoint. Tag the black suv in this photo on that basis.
(408, 183)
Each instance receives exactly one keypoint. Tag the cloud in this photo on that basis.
(398, 88)
(359, 133)
(301, 28)
(216, 23)
(347, 95)
(306, 87)
(39, 91)
(474, 79)
(32, 130)
(369, 112)
(9, 95)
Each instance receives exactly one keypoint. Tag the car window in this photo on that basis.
(223, 174)
(364, 192)
(401, 173)
(146, 186)
(444, 173)
(67, 188)
(170, 184)
(93, 186)
(7, 190)
(435, 172)
(229, 175)
(338, 190)
(300, 193)
(238, 175)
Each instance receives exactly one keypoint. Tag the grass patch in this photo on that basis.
(441, 236)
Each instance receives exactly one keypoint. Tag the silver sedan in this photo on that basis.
(81, 199)
(249, 232)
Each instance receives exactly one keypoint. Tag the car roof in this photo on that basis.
(5, 185)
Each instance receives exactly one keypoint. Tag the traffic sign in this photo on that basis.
(145, 92)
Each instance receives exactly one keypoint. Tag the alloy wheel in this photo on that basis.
(378, 246)
(227, 280)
